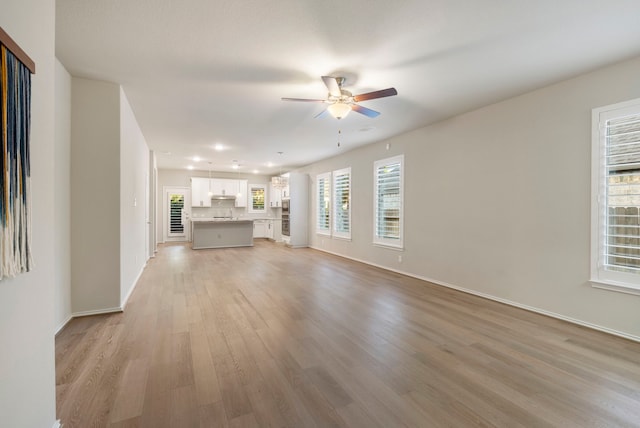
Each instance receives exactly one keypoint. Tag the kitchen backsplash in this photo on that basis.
(226, 208)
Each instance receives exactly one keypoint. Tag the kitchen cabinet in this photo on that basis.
(241, 196)
(274, 229)
(224, 187)
(286, 194)
(275, 197)
(202, 189)
(221, 233)
(260, 228)
(200, 196)
(270, 229)
(298, 210)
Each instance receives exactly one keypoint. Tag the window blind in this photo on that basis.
(621, 250)
(342, 203)
(388, 201)
(176, 226)
(323, 203)
(257, 199)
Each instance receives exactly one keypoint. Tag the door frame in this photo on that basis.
(165, 212)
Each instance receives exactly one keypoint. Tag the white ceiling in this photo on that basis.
(201, 72)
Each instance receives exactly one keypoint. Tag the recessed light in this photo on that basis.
(269, 164)
(218, 147)
(255, 171)
(235, 166)
(190, 167)
(196, 159)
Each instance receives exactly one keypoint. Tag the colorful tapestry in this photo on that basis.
(15, 200)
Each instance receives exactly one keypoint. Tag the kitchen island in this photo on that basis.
(210, 233)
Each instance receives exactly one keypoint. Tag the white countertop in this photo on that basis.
(220, 220)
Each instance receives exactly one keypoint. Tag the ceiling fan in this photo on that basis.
(341, 101)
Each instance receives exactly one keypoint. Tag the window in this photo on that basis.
(257, 193)
(615, 212)
(176, 209)
(388, 201)
(323, 203)
(342, 203)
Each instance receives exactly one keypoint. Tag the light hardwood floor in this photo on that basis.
(272, 337)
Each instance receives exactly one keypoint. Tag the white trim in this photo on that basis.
(327, 189)
(494, 298)
(388, 246)
(97, 312)
(123, 304)
(334, 204)
(612, 286)
(600, 277)
(63, 325)
(57, 424)
(165, 214)
(378, 240)
(250, 187)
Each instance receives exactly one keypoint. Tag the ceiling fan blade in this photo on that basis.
(375, 94)
(332, 85)
(365, 111)
(323, 113)
(307, 100)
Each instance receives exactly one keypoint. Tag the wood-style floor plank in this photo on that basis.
(274, 337)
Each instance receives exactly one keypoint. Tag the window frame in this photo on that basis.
(599, 276)
(394, 243)
(334, 211)
(327, 192)
(250, 208)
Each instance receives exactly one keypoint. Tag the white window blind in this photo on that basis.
(388, 201)
(257, 197)
(342, 203)
(176, 209)
(617, 193)
(323, 203)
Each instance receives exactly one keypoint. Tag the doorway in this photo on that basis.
(177, 214)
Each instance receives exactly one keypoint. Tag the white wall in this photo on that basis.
(61, 212)
(95, 190)
(27, 372)
(497, 201)
(152, 204)
(134, 188)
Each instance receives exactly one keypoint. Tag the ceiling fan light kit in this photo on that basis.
(339, 110)
(341, 101)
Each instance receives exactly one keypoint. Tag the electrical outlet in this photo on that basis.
(399, 259)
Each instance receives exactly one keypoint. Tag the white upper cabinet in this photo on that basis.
(224, 187)
(200, 196)
(275, 197)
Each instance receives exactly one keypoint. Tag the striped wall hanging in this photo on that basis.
(15, 184)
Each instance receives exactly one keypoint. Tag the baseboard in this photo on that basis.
(123, 304)
(494, 298)
(63, 324)
(106, 310)
(57, 424)
(96, 312)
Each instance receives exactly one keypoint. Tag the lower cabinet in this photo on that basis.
(260, 228)
(270, 229)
